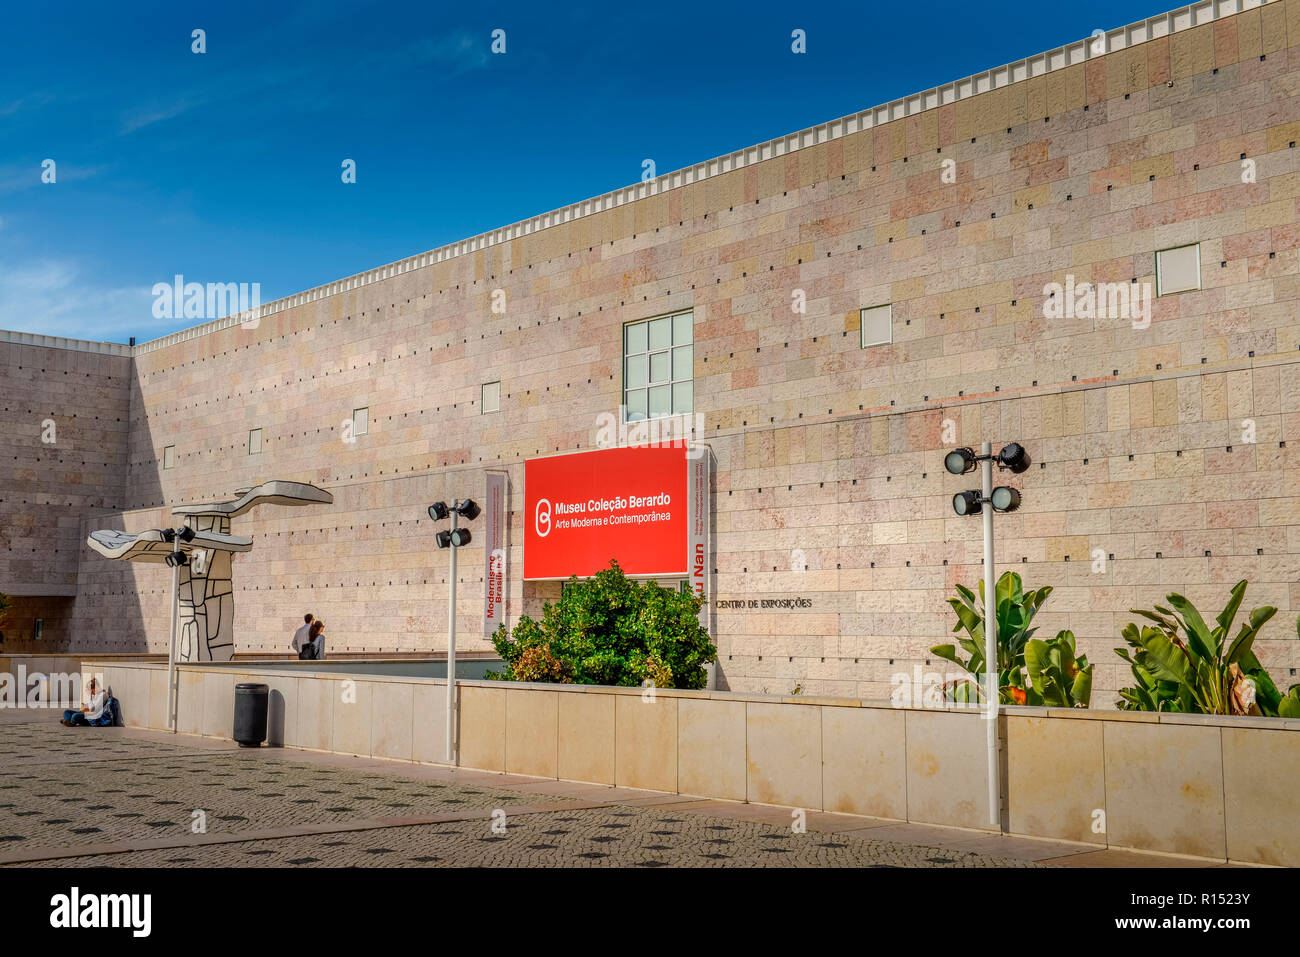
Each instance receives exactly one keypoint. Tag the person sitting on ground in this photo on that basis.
(314, 648)
(97, 713)
(301, 635)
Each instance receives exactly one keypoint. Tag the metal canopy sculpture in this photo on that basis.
(204, 593)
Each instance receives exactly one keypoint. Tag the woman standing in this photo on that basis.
(313, 648)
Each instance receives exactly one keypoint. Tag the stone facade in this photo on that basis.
(1170, 450)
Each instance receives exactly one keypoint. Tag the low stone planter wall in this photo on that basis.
(1211, 787)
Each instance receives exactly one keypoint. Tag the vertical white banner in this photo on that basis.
(697, 523)
(494, 552)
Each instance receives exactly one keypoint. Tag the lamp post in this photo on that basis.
(1001, 499)
(990, 642)
(175, 560)
(453, 539)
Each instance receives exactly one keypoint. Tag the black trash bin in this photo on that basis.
(250, 714)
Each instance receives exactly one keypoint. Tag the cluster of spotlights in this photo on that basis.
(456, 537)
(1013, 457)
(177, 558)
(1003, 499)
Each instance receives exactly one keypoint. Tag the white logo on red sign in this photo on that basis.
(542, 518)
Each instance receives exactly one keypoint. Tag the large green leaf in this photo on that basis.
(1230, 610)
(1241, 645)
(1167, 659)
(968, 618)
(948, 653)
(1199, 639)
(1289, 707)
(1009, 586)
(1081, 690)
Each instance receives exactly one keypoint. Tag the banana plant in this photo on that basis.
(1289, 706)
(1015, 613)
(1057, 678)
(1183, 665)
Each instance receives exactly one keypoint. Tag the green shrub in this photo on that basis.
(1184, 665)
(1030, 671)
(610, 630)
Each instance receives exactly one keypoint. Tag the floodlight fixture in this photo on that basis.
(185, 533)
(960, 461)
(967, 503)
(468, 508)
(1014, 457)
(438, 511)
(177, 559)
(460, 537)
(443, 539)
(1005, 499)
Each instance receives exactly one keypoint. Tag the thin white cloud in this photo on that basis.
(54, 298)
(444, 57)
(158, 113)
(15, 176)
(32, 101)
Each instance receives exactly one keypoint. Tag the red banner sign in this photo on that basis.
(630, 504)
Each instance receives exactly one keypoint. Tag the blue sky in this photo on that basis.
(225, 166)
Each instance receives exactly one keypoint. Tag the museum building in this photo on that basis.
(742, 378)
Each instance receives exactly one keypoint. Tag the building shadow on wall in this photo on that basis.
(118, 604)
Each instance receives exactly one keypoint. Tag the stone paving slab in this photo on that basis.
(118, 789)
(118, 797)
(596, 837)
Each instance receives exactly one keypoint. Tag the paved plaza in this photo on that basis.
(121, 797)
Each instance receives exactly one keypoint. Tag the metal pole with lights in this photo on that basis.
(1001, 499)
(174, 561)
(454, 538)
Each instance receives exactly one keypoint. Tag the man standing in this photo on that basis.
(302, 635)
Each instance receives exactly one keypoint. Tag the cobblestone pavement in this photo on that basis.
(615, 836)
(58, 795)
(62, 789)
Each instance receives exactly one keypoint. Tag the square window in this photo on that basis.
(169, 457)
(360, 421)
(684, 329)
(254, 441)
(683, 362)
(638, 371)
(636, 338)
(491, 397)
(660, 400)
(877, 325)
(1178, 269)
(683, 397)
(661, 333)
(658, 367)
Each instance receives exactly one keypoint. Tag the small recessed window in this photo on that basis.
(1178, 269)
(491, 397)
(360, 421)
(877, 325)
(169, 457)
(254, 441)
